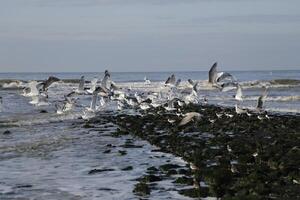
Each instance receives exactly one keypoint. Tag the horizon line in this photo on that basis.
(264, 70)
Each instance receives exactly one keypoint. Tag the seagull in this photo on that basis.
(40, 100)
(224, 76)
(177, 82)
(229, 115)
(214, 76)
(147, 81)
(261, 99)
(102, 91)
(93, 86)
(31, 89)
(170, 106)
(228, 86)
(144, 106)
(188, 117)
(239, 93)
(80, 89)
(171, 121)
(105, 81)
(219, 115)
(239, 110)
(93, 106)
(193, 96)
(260, 103)
(46, 84)
(68, 103)
(171, 80)
(1, 102)
(87, 115)
(191, 82)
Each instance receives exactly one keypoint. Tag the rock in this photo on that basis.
(7, 132)
(122, 153)
(194, 192)
(96, 171)
(141, 189)
(184, 180)
(87, 125)
(107, 151)
(150, 178)
(168, 167)
(24, 186)
(127, 168)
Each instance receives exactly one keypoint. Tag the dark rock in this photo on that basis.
(168, 167)
(141, 189)
(7, 132)
(96, 171)
(194, 192)
(87, 125)
(107, 151)
(24, 186)
(122, 153)
(127, 168)
(150, 178)
(184, 180)
(171, 172)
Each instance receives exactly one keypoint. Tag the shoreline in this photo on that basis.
(233, 157)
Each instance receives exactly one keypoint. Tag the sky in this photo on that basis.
(148, 35)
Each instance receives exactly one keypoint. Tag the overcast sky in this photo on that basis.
(148, 35)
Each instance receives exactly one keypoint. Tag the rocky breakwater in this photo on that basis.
(231, 156)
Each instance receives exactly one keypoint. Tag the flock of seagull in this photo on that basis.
(106, 91)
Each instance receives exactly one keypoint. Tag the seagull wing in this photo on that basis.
(212, 73)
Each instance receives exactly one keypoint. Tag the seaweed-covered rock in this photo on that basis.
(141, 189)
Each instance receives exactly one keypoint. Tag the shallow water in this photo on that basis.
(52, 161)
(49, 156)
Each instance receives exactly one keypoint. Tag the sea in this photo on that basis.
(44, 155)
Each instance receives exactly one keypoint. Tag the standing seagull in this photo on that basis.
(1, 102)
(261, 99)
(239, 93)
(147, 81)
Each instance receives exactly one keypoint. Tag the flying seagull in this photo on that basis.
(171, 80)
(31, 89)
(191, 82)
(80, 89)
(189, 117)
(46, 84)
(212, 74)
(105, 81)
(93, 86)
